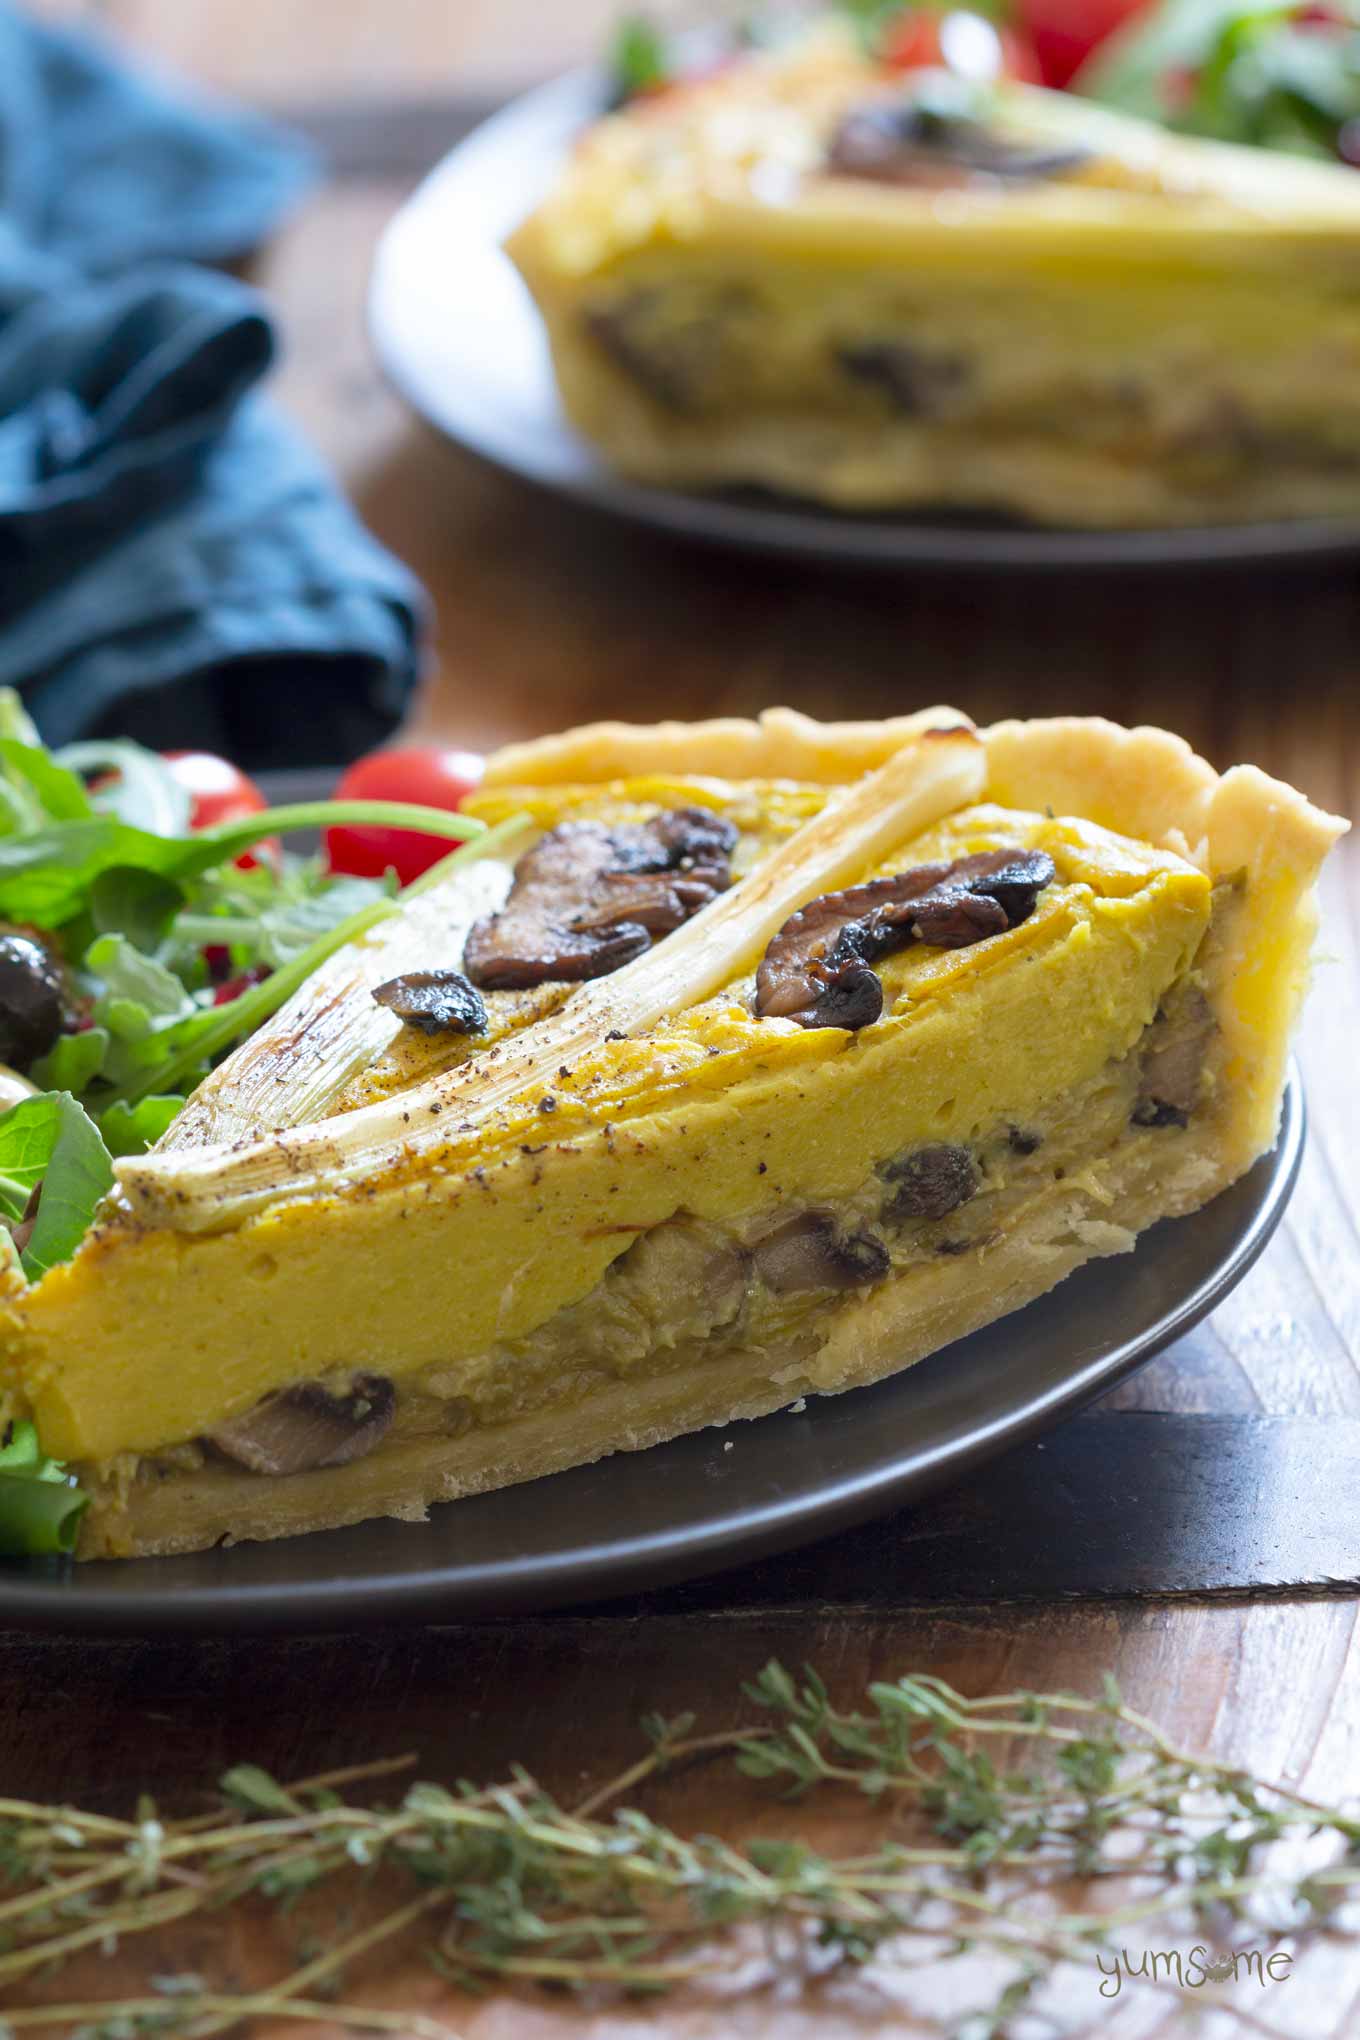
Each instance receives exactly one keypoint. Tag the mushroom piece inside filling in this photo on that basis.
(930, 1181)
(306, 1427)
(808, 1251)
(1174, 1051)
(588, 899)
(817, 969)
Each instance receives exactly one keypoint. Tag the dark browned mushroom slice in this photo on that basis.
(307, 1427)
(816, 970)
(930, 1182)
(808, 1251)
(435, 1001)
(587, 899)
(914, 143)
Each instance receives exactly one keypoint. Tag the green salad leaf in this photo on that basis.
(137, 903)
(47, 873)
(40, 1505)
(175, 949)
(50, 1145)
(1277, 77)
(638, 59)
(41, 787)
(132, 1129)
(131, 783)
(73, 1062)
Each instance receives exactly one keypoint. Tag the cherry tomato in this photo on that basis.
(220, 792)
(431, 778)
(1064, 32)
(935, 38)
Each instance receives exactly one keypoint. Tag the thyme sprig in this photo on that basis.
(988, 1808)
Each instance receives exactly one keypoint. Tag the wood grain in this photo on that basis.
(546, 615)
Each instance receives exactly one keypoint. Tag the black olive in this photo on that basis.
(32, 1000)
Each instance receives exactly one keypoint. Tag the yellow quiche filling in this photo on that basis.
(853, 1106)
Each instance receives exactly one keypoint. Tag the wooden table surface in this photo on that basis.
(546, 616)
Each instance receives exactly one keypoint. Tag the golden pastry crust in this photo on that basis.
(781, 743)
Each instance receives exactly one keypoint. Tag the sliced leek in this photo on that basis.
(295, 1067)
(209, 1188)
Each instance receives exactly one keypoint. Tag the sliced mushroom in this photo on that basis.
(916, 383)
(627, 335)
(671, 345)
(1173, 1061)
(930, 1181)
(588, 899)
(307, 1427)
(682, 1279)
(435, 1001)
(808, 1251)
(914, 143)
(816, 969)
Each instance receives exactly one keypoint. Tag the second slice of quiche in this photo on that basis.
(817, 275)
(760, 1061)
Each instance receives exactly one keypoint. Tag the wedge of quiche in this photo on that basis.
(874, 290)
(751, 1061)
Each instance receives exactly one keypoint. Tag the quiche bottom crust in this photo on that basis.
(1242, 826)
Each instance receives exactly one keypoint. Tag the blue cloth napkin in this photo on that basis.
(174, 563)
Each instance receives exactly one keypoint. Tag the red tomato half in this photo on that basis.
(1064, 32)
(220, 792)
(430, 778)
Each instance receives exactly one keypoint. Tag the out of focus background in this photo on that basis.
(544, 613)
(311, 51)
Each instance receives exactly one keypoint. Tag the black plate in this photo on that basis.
(716, 1498)
(459, 335)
